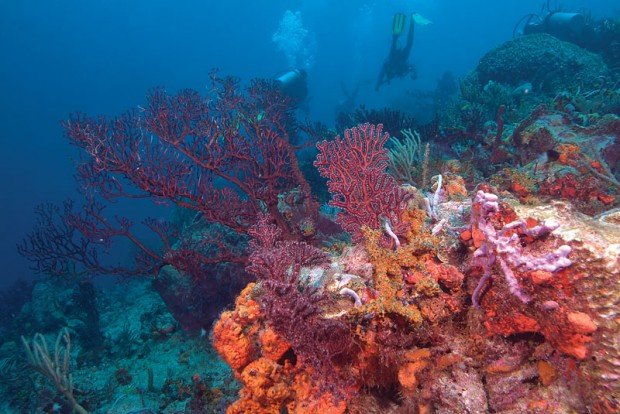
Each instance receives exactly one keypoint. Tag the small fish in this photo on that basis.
(421, 20)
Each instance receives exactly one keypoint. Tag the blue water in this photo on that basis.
(100, 57)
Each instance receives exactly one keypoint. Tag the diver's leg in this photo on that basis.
(394, 46)
(409, 44)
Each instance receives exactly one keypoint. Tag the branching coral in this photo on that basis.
(174, 150)
(227, 156)
(54, 367)
(406, 157)
(180, 144)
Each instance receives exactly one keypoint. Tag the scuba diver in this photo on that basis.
(294, 85)
(568, 27)
(598, 36)
(396, 64)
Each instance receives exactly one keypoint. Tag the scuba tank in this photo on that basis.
(558, 24)
(294, 84)
(565, 23)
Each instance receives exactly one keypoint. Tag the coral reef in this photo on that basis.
(471, 267)
(535, 344)
(562, 160)
(141, 362)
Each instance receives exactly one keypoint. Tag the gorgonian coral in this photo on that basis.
(355, 168)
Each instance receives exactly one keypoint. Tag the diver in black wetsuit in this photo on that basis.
(396, 65)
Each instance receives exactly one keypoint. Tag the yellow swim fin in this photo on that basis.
(398, 25)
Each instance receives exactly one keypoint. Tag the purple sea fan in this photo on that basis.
(295, 310)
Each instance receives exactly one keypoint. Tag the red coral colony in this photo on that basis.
(454, 294)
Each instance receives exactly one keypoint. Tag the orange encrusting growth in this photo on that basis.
(256, 354)
(233, 333)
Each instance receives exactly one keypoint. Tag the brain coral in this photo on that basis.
(549, 64)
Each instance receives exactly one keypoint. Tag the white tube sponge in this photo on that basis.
(353, 295)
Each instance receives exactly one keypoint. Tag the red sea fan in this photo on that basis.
(355, 169)
(226, 156)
